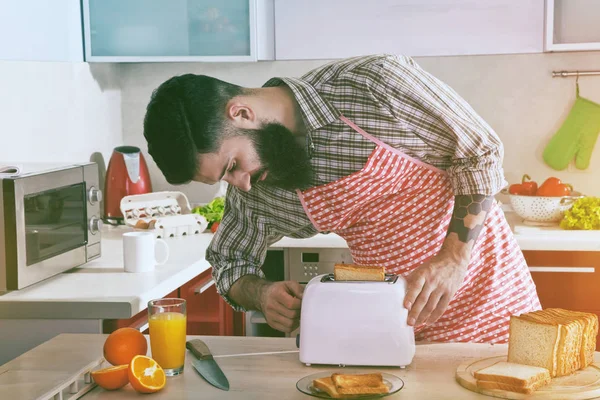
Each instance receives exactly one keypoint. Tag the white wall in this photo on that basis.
(58, 112)
(514, 93)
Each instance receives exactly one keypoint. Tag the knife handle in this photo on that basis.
(199, 349)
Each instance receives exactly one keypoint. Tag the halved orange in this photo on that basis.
(111, 378)
(145, 375)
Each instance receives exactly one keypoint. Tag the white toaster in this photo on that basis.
(355, 323)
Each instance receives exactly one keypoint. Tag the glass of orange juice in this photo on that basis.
(167, 322)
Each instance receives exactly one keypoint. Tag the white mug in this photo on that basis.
(139, 251)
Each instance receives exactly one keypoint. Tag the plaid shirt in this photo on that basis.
(391, 98)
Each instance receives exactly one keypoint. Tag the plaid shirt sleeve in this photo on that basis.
(445, 122)
(239, 246)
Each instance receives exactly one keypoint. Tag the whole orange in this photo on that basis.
(123, 344)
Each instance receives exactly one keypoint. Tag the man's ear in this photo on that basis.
(241, 114)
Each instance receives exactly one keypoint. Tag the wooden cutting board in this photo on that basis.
(583, 384)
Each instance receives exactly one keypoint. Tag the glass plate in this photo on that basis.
(305, 384)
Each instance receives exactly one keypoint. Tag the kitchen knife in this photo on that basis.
(206, 365)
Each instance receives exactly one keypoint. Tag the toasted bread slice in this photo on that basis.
(326, 385)
(353, 272)
(356, 380)
(359, 384)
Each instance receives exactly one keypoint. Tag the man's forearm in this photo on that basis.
(468, 218)
(247, 292)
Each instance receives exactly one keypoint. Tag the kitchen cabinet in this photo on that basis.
(176, 30)
(41, 30)
(572, 25)
(207, 312)
(567, 279)
(346, 28)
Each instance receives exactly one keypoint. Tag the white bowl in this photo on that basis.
(541, 210)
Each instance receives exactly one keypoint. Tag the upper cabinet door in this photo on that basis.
(170, 30)
(572, 25)
(328, 29)
(41, 30)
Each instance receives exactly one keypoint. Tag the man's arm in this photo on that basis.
(236, 254)
(468, 217)
(433, 284)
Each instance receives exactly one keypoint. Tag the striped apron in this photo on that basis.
(395, 213)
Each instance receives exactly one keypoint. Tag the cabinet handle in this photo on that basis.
(204, 287)
(589, 270)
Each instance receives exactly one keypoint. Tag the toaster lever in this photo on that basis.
(298, 341)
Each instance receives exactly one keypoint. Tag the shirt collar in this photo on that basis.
(317, 111)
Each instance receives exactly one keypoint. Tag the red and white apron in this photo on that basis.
(395, 213)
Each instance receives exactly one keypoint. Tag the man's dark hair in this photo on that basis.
(186, 116)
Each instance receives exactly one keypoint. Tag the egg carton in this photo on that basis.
(167, 214)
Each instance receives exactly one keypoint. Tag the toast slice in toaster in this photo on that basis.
(353, 272)
(359, 383)
(326, 385)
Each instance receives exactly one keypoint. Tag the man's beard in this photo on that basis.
(285, 160)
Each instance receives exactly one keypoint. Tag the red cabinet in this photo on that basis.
(567, 279)
(207, 312)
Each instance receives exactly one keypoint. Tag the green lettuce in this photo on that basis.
(213, 211)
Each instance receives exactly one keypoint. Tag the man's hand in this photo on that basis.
(280, 303)
(431, 286)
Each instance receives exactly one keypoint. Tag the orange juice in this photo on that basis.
(167, 339)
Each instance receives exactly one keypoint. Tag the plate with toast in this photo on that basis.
(350, 384)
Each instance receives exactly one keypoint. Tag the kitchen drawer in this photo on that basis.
(567, 279)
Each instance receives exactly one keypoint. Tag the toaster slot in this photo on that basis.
(389, 278)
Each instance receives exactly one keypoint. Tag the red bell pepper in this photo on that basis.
(527, 187)
(553, 187)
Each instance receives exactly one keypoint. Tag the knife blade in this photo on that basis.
(206, 366)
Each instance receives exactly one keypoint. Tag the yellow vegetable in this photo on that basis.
(585, 214)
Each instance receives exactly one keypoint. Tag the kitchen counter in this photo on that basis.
(52, 367)
(101, 289)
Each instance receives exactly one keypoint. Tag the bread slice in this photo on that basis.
(356, 380)
(326, 385)
(356, 384)
(517, 375)
(510, 388)
(353, 272)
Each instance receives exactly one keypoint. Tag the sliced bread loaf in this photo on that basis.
(561, 341)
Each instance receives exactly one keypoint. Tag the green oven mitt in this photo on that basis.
(576, 137)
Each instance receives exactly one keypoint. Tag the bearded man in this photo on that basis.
(372, 148)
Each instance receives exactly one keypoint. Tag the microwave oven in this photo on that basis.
(50, 222)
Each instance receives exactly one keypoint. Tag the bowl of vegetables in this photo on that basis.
(213, 212)
(541, 205)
